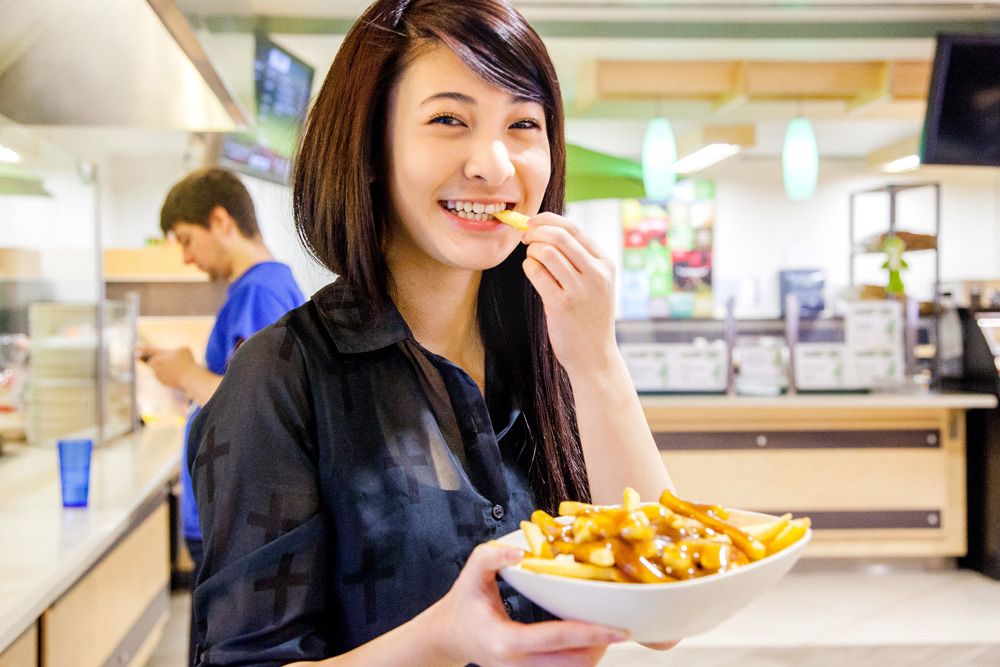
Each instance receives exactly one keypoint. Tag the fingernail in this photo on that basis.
(617, 635)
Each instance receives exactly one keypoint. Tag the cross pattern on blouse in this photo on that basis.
(342, 369)
(287, 345)
(471, 528)
(273, 523)
(409, 461)
(281, 583)
(369, 575)
(206, 459)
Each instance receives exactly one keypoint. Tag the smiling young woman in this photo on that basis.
(458, 374)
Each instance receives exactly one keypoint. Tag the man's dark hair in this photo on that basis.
(193, 198)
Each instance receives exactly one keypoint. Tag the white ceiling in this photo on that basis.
(694, 30)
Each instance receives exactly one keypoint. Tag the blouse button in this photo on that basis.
(498, 512)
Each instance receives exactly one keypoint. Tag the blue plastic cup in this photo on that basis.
(74, 471)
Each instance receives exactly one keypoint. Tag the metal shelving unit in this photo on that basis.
(892, 191)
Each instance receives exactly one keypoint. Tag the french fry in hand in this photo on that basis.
(513, 218)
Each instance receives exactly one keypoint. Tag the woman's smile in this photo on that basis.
(475, 216)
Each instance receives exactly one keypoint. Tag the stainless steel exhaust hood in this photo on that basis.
(109, 63)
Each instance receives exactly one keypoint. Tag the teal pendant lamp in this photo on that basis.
(659, 152)
(800, 160)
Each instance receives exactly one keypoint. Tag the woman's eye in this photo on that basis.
(526, 124)
(446, 119)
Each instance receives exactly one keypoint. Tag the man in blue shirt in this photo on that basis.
(211, 214)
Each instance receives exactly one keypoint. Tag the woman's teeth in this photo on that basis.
(473, 210)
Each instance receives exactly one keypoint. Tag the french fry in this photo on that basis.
(793, 532)
(716, 557)
(536, 541)
(573, 569)
(595, 553)
(596, 526)
(677, 562)
(573, 508)
(635, 527)
(635, 566)
(513, 218)
(631, 499)
(748, 544)
(655, 512)
(767, 532)
(550, 527)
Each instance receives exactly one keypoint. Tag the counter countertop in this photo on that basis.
(845, 400)
(44, 547)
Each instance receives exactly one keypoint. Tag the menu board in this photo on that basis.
(667, 253)
(282, 86)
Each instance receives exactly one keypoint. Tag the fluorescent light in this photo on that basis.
(705, 157)
(7, 155)
(908, 163)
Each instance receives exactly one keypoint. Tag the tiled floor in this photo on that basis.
(812, 618)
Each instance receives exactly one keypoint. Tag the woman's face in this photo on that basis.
(456, 142)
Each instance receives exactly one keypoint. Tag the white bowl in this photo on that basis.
(653, 613)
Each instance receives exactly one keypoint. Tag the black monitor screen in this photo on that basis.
(282, 86)
(962, 124)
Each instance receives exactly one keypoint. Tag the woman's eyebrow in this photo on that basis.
(468, 99)
(457, 97)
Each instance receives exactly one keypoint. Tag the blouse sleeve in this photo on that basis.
(260, 595)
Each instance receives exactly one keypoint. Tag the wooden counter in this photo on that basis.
(881, 475)
(92, 583)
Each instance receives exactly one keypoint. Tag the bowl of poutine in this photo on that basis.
(662, 571)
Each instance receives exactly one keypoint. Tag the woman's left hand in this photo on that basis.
(576, 281)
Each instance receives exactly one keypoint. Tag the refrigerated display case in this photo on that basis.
(981, 343)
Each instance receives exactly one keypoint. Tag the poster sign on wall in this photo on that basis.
(667, 254)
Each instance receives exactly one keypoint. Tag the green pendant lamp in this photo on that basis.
(659, 152)
(800, 160)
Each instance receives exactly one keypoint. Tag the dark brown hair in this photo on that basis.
(342, 208)
(193, 198)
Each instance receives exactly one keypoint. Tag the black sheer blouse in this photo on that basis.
(343, 476)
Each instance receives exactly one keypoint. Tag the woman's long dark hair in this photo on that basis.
(342, 204)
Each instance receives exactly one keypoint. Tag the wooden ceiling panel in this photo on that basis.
(861, 85)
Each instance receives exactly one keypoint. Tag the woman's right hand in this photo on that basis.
(470, 623)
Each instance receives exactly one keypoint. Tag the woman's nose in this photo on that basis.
(489, 161)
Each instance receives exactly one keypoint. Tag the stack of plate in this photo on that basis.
(62, 397)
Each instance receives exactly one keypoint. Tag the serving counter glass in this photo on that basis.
(66, 362)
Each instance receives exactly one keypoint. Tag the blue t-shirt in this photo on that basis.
(259, 297)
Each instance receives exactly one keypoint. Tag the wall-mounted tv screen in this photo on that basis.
(962, 124)
(282, 86)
